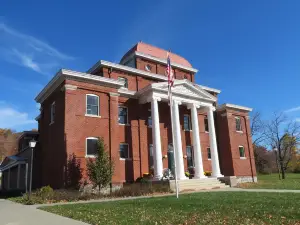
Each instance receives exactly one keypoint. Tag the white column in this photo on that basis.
(178, 142)
(213, 144)
(157, 156)
(199, 173)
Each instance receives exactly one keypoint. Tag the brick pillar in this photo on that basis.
(114, 135)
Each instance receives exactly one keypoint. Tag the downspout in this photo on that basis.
(249, 149)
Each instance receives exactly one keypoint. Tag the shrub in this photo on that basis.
(45, 192)
(207, 173)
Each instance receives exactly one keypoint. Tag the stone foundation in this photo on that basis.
(233, 181)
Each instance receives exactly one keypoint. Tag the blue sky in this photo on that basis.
(248, 49)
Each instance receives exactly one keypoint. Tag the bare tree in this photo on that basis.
(284, 137)
(257, 129)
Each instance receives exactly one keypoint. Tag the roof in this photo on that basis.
(232, 106)
(158, 53)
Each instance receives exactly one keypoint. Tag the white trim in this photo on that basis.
(232, 106)
(164, 61)
(127, 122)
(64, 74)
(92, 115)
(127, 93)
(217, 91)
(87, 115)
(122, 143)
(86, 155)
(242, 157)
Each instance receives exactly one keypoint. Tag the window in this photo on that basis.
(190, 156)
(123, 115)
(92, 105)
(186, 122)
(208, 153)
(149, 121)
(148, 68)
(151, 160)
(206, 124)
(91, 146)
(52, 113)
(238, 125)
(125, 80)
(242, 152)
(124, 154)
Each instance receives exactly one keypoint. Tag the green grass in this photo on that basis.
(272, 181)
(198, 208)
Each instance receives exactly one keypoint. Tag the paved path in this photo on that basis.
(17, 214)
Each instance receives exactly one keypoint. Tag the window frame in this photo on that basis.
(86, 146)
(52, 113)
(123, 143)
(192, 156)
(189, 122)
(240, 130)
(86, 98)
(126, 81)
(242, 157)
(123, 124)
(208, 152)
(206, 119)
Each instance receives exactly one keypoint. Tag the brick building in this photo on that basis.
(127, 105)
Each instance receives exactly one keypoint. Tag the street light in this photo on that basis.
(32, 145)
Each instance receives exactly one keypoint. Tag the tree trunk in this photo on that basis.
(282, 170)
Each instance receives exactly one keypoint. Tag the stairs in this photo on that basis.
(197, 184)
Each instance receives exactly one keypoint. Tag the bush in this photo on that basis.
(45, 192)
(207, 173)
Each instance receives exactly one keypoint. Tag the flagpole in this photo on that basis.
(173, 138)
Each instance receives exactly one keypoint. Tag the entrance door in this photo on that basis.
(171, 164)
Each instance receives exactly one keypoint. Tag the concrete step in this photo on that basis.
(198, 184)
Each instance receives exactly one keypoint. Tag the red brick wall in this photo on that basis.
(229, 141)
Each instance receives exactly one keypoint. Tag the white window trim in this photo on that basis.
(52, 119)
(243, 157)
(207, 152)
(90, 115)
(190, 124)
(86, 155)
(241, 129)
(192, 152)
(127, 149)
(123, 124)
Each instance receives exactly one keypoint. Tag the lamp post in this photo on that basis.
(32, 144)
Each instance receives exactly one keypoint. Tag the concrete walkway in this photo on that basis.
(17, 214)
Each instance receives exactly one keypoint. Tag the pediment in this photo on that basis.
(186, 89)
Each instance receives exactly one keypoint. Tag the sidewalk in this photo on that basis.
(16, 214)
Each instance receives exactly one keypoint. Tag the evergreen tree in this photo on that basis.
(100, 169)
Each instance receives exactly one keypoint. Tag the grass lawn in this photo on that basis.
(197, 208)
(272, 181)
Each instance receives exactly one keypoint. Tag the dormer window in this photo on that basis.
(148, 67)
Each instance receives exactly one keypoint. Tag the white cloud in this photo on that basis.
(12, 118)
(295, 109)
(297, 120)
(28, 51)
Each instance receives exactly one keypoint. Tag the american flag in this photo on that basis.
(170, 72)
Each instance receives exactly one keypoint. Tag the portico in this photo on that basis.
(194, 98)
